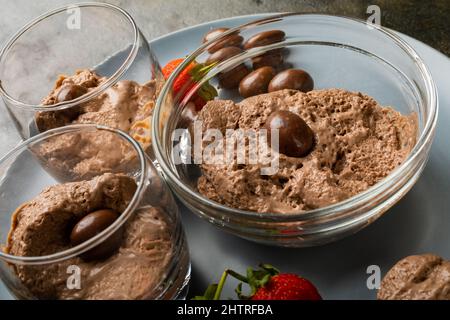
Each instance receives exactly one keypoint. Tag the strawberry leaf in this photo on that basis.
(209, 293)
(199, 70)
(270, 269)
(207, 92)
(255, 278)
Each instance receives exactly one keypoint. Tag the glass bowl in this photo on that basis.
(39, 63)
(337, 52)
(142, 254)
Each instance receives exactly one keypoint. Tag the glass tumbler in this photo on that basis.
(87, 225)
(38, 63)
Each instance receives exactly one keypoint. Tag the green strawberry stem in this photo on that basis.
(220, 285)
(254, 278)
(200, 70)
(236, 275)
(223, 278)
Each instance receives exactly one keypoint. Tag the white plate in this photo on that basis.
(419, 223)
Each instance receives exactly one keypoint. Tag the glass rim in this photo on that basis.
(123, 217)
(86, 97)
(425, 137)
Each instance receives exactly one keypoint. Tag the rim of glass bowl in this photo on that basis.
(92, 242)
(86, 97)
(424, 138)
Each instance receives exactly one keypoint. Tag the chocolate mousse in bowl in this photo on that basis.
(105, 234)
(321, 124)
(83, 63)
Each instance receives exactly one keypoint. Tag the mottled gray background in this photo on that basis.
(424, 20)
(408, 228)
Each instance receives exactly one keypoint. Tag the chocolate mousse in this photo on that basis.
(356, 144)
(126, 105)
(82, 154)
(131, 269)
(419, 277)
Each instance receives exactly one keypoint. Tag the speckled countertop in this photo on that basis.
(427, 21)
(424, 20)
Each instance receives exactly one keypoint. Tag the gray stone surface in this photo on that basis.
(424, 20)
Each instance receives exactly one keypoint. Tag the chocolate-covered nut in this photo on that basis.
(211, 34)
(69, 92)
(273, 58)
(231, 79)
(223, 54)
(264, 38)
(295, 79)
(232, 40)
(296, 138)
(256, 82)
(228, 79)
(91, 225)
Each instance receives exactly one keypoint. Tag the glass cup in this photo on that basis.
(338, 52)
(98, 37)
(142, 254)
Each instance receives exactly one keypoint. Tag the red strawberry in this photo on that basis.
(287, 286)
(170, 67)
(266, 283)
(187, 79)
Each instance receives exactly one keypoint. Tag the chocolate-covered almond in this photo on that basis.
(223, 54)
(91, 225)
(69, 92)
(296, 138)
(273, 58)
(232, 40)
(211, 34)
(231, 79)
(264, 38)
(256, 82)
(295, 79)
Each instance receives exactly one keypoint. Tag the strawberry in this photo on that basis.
(187, 80)
(170, 67)
(287, 286)
(266, 283)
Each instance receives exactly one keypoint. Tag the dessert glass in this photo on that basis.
(96, 36)
(24, 174)
(339, 53)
